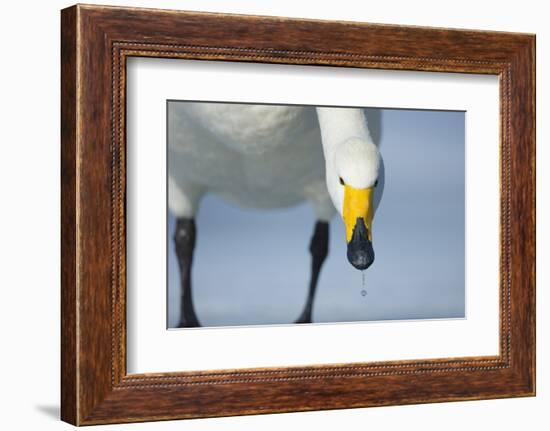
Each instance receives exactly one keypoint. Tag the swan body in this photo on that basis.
(260, 156)
(267, 156)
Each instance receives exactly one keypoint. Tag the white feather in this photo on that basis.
(266, 156)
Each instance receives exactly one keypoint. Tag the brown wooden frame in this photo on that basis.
(95, 43)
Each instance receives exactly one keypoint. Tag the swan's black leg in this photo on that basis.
(184, 239)
(319, 251)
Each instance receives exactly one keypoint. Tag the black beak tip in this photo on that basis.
(360, 251)
(361, 259)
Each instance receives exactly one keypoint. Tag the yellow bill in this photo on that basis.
(358, 203)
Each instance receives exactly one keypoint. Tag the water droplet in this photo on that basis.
(364, 285)
(363, 293)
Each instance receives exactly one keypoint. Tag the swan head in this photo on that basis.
(352, 185)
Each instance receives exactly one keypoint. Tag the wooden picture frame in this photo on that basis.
(95, 43)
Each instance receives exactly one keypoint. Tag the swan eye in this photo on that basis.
(376, 183)
(342, 181)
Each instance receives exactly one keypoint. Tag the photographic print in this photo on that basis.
(251, 216)
(289, 214)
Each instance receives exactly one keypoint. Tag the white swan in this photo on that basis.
(267, 156)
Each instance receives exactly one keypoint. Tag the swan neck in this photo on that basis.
(337, 125)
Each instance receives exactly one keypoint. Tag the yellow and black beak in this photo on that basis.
(358, 213)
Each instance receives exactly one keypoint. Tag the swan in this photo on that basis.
(272, 156)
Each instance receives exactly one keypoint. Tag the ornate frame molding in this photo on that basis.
(96, 41)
